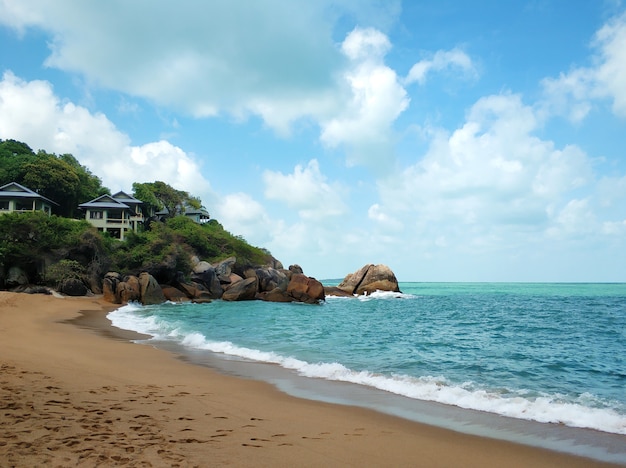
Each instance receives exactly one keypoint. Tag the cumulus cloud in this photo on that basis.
(376, 99)
(572, 94)
(305, 190)
(442, 60)
(491, 180)
(31, 112)
(245, 216)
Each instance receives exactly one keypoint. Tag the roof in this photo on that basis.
(105, 201)
(125, 198)
(15, 190)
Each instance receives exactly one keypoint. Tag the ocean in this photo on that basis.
(544, 355)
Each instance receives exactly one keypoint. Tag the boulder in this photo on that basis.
(201, 267)
(129, 290)
(73, 287)
(244, 290)
(173, 294)
(275, 295)
(224, 268)
(335, 291)
(208, 278)
(109, 287)
(16, 277)
(296, 269)
(151, 292)
(305, 289)
(369, 279)
(270, 279)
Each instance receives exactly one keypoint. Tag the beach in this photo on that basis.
(76, 391)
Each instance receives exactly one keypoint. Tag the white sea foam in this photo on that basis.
(544, 408)
(379, 295)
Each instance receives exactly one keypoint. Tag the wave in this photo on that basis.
(378, 295)
(586, 411)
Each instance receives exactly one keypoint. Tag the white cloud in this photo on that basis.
(442, 60)
(491, 182)
(572, 94)
(32, 113)
(242, 215)
(306, 190)
(364, 124)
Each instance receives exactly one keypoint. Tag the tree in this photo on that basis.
(161, 196)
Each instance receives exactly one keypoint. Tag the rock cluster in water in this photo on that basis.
(267, 283)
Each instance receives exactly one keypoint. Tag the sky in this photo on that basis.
(451, 140)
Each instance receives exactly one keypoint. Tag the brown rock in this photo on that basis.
(369, 279)
(335, 291)
(305, 289)
(244, 290)
(129, 290)
(275, 295)
(151, 292)
(173, 294)
(109, 287)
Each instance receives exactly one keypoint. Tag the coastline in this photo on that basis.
(77, 391)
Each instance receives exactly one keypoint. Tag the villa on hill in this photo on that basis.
(15, 198)
(115, 214)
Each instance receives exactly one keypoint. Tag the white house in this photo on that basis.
(116, 214)
(17, 198)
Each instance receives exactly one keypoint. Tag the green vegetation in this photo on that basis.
(55, 248)
(60, 178)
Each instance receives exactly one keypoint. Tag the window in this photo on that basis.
(4, 204)
(95, 214)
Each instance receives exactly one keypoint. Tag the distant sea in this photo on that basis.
(549, 353)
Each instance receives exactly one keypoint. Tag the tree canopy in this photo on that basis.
(158, 196)
(60, 178)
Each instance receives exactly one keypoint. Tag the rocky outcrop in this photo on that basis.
(129, 290)
(205, 274)
(15, 277)
(305, 289)
(109, 287)
(173, 294)
(369, 279)
(73, 287)
(151, 292)
(244, 290)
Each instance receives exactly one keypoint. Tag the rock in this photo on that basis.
(305, 289)
(16, 277)
(270, 279)
(73, 287)
(369, 279)
(173, 294)
(224, 268)
(275, 295)
(109, 287)
(335, 291)
(296, 269)
(208, 278)
(244, 290)
(151, 292)
(201, 267)
(129, 290)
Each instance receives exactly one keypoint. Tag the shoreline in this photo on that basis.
(75, 390)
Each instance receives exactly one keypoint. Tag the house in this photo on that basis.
(200, 216)
(116, 214)
(15, 198)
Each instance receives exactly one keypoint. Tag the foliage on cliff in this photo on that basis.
(56, 245)
(171, 245)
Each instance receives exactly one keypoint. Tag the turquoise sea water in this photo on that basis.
(552, 353)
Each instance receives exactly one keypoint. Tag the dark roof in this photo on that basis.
(104, 201)
(15, 190)
(125, 198)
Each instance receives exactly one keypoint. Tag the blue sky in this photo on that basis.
(449, 140)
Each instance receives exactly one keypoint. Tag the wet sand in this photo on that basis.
(76, 392)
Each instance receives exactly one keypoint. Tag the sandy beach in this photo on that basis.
(76, 392)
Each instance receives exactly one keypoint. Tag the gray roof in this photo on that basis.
(15, 190)
(104, 201)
